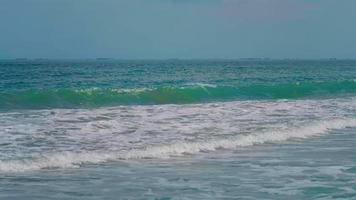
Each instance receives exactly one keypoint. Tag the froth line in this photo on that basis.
(76, 159)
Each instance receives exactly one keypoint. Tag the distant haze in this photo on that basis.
(160, 29)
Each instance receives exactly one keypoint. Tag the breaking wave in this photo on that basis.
(96, 97)
(76, 159)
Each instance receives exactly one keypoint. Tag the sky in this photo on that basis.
(186, 29)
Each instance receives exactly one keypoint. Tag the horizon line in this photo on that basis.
(183, 59)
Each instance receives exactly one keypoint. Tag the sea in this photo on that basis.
(177, 129)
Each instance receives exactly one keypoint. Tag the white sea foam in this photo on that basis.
(75, 159)
(143, 89)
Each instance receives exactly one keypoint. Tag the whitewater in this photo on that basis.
(161, 131)
(177, 129)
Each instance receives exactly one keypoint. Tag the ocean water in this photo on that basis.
(178, 129)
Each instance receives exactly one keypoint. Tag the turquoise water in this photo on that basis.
(272, 129)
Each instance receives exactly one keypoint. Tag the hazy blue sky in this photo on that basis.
(177, 28)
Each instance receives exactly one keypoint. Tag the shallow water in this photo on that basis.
(307, 169)
(178, 130)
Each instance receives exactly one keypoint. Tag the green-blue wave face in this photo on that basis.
(74, 84)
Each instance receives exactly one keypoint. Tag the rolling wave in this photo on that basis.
(96, 97)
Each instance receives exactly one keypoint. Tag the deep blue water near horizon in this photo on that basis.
(177, 129)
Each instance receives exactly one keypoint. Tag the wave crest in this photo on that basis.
(94, 97)
(76, 159)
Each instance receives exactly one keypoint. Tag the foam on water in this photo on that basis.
(60, 138)
(75, 159)
(186, 129)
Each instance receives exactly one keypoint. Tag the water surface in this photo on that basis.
(175, 129)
